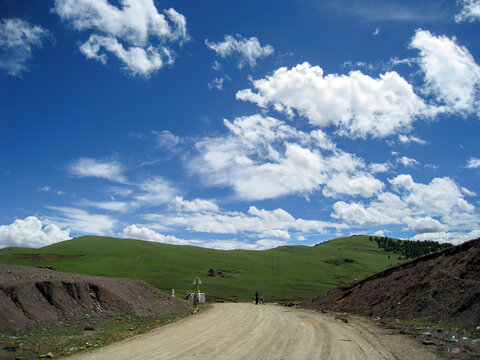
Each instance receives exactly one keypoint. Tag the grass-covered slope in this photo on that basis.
(302, 272)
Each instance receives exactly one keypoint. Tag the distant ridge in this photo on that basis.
(285, 273)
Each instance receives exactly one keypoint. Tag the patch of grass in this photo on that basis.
(427, 322)
(423, 322)
(280, 274)
(67, 340)
(444, 354)
(11, 347)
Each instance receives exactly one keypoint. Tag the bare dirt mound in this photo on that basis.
(31, 298)
(442, 287)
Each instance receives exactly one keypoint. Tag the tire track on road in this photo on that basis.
(247, 331)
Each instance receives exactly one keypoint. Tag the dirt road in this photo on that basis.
(246, 331)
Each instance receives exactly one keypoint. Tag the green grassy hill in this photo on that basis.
(303, 272)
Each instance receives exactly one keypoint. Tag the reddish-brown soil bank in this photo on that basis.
(443, 287)
(31, 297)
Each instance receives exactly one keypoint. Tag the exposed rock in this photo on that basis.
(444, 287)
(32, 297)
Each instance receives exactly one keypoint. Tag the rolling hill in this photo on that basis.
(281, 274)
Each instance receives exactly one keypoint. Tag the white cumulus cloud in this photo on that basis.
(407, 162)
(438, 206)
(379, 167)
(248, 50)
(470, 11)
(438, 198)
(260, 223)
(454, 237)
(18, 38)
(31, 232)
(450, 71)
(424, 225)
(353, 185)
(473, 163)
(136, 33)
(139, 61)
(262, 157)
(196, 205)
(262, 244)
(143, 233)
(276, 234)
(357, 104)
(358, 213)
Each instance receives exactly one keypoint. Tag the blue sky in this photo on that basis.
(239, 124)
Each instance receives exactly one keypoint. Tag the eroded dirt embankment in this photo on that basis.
(32, 297)
(443, 287)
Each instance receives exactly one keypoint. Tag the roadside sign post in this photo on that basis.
(197, 282)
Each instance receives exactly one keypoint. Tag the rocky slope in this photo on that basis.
(32, 297)
(443, 287)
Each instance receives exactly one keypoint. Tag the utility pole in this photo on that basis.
(275, 268)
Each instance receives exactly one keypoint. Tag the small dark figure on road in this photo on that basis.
(256, 297)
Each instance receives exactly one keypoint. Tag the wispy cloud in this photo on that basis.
(473, 163)
(154, 191)
(18, 38)
(217, 83)
(82, 221)
(406, 139)
(87, 167)
(119, 206)
(375, 11)
(247, 50)
(165, 140)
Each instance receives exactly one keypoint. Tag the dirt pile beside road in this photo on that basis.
(442, 287)
(32, 297)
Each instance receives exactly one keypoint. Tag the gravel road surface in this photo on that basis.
(246, 331)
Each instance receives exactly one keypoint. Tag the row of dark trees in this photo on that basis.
(409, 248)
